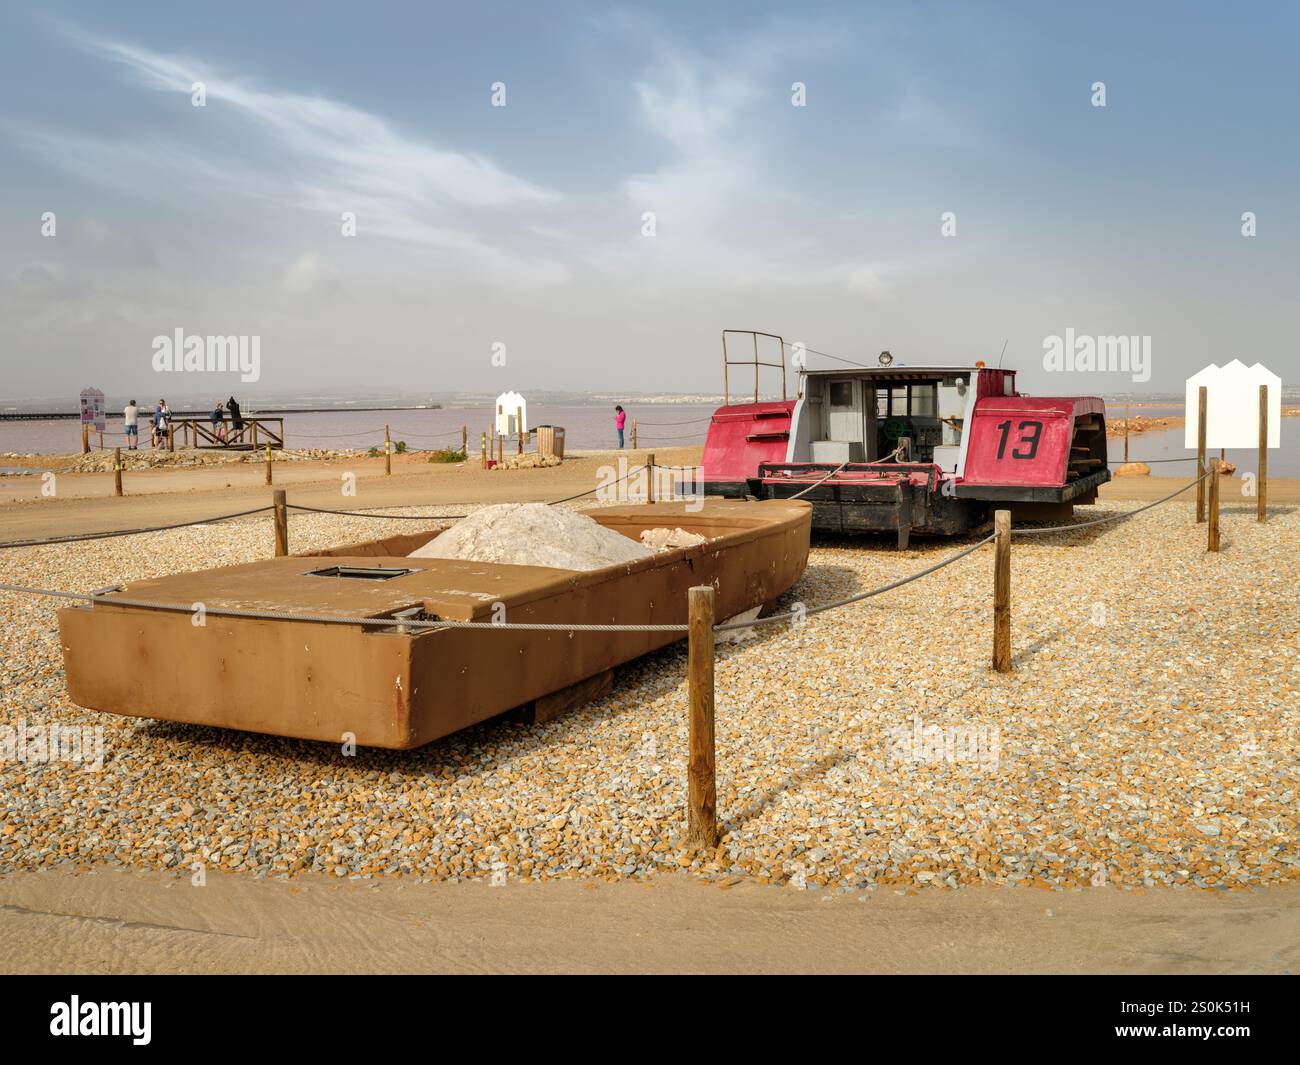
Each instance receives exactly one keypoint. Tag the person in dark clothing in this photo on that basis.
(236, 419)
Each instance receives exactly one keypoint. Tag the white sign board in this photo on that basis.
(1232, 406)
(92, 408)
(509, 406)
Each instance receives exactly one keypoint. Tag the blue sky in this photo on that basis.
(523, 224)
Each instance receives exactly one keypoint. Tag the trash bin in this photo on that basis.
(550, 440)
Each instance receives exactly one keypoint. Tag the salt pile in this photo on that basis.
(533, 534)
(670, 539)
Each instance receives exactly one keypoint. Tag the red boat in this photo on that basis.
(904, 448)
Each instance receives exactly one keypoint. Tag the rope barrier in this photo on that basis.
(1110, 517)
(330, 619)
(441, 517)
(372, 514)
(80, 537)
(811, 611)
(325, 619)
(689, 421)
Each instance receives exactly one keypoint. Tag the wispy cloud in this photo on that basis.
(310, 152)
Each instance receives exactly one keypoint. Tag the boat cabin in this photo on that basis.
(915, 414)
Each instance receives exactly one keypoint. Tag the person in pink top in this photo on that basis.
(620, 420)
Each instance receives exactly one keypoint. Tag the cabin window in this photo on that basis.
(841, 393)
(924, 400)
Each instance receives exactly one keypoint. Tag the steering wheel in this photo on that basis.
(894, 428)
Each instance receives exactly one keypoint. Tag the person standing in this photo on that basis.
(620, 420)
(162, 418)
(218, 420)
(236, 417)
(131, 420)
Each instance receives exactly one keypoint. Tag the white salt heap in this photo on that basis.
(533, 534)
(670, 539)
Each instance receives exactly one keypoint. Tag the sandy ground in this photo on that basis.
(113, 921)
(84, 502)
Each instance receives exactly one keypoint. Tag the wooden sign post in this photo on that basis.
(1200, 454)
(281, 523)
(1261, 501)
(1002, 591)
(1212, 539)
(702, 793)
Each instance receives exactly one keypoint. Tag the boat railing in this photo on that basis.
(756, 361)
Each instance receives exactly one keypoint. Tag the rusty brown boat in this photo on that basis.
(397, 687)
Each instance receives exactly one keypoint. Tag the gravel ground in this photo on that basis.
(1148, 736)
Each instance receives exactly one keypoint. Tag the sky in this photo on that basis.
(948, 186)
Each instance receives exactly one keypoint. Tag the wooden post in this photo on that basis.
(482, 444)
(633, 434)
(101, 441)
(1002, 591)
(1261, 487)
(464, 440)
(702, 793)
(117, 471)
(1200, 455)
(85, 439)
(171, 435)
(519, 424)
(1126, 421)
(268, 463)
(281, 524)
(255, 435)
(501, 449)
(388, 453)
(1212, 540)
(650, 478)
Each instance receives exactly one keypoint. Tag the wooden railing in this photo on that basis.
(252, 434)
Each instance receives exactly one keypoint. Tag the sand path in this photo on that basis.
(130, 922)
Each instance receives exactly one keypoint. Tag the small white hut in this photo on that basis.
(511, 408)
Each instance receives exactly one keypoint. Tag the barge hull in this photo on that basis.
(395, 689)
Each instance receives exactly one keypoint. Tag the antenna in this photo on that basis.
(1004, 351)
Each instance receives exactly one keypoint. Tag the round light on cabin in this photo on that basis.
(886, 358)
(979, 363)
